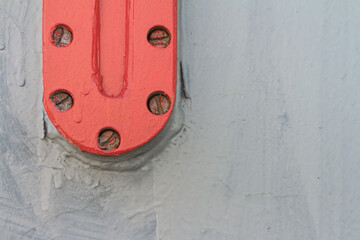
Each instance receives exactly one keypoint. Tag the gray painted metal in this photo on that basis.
(268, 148)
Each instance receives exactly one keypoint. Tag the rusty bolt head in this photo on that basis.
(159, 37)
(63, 100)
(109, 140)
(159, 104)
(62, 36)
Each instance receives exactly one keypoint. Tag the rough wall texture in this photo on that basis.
(269, 147)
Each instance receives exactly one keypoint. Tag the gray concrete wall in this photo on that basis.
(268, 147)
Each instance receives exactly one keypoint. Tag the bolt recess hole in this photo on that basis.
(109, 140)
(159, 37)
(63, 100)
(159, 103)
(62, 36)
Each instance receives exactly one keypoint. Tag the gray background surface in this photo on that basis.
(269, 147)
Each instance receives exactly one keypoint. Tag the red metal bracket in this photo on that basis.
(110, 69)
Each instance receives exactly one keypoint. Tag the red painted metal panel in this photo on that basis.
(109, 69)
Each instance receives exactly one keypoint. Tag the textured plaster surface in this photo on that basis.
(264, 145)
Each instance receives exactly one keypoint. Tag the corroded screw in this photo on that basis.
(62, 36)
(63, 100)
(159, 37)
(109, 140)
(159, 104)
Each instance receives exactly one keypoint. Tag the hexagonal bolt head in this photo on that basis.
(63, 100)
(159, 104)
(109, 140)
(62, 36)
(159, 37)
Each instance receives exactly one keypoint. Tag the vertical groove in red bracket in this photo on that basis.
(98, 76)
(127, 46)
